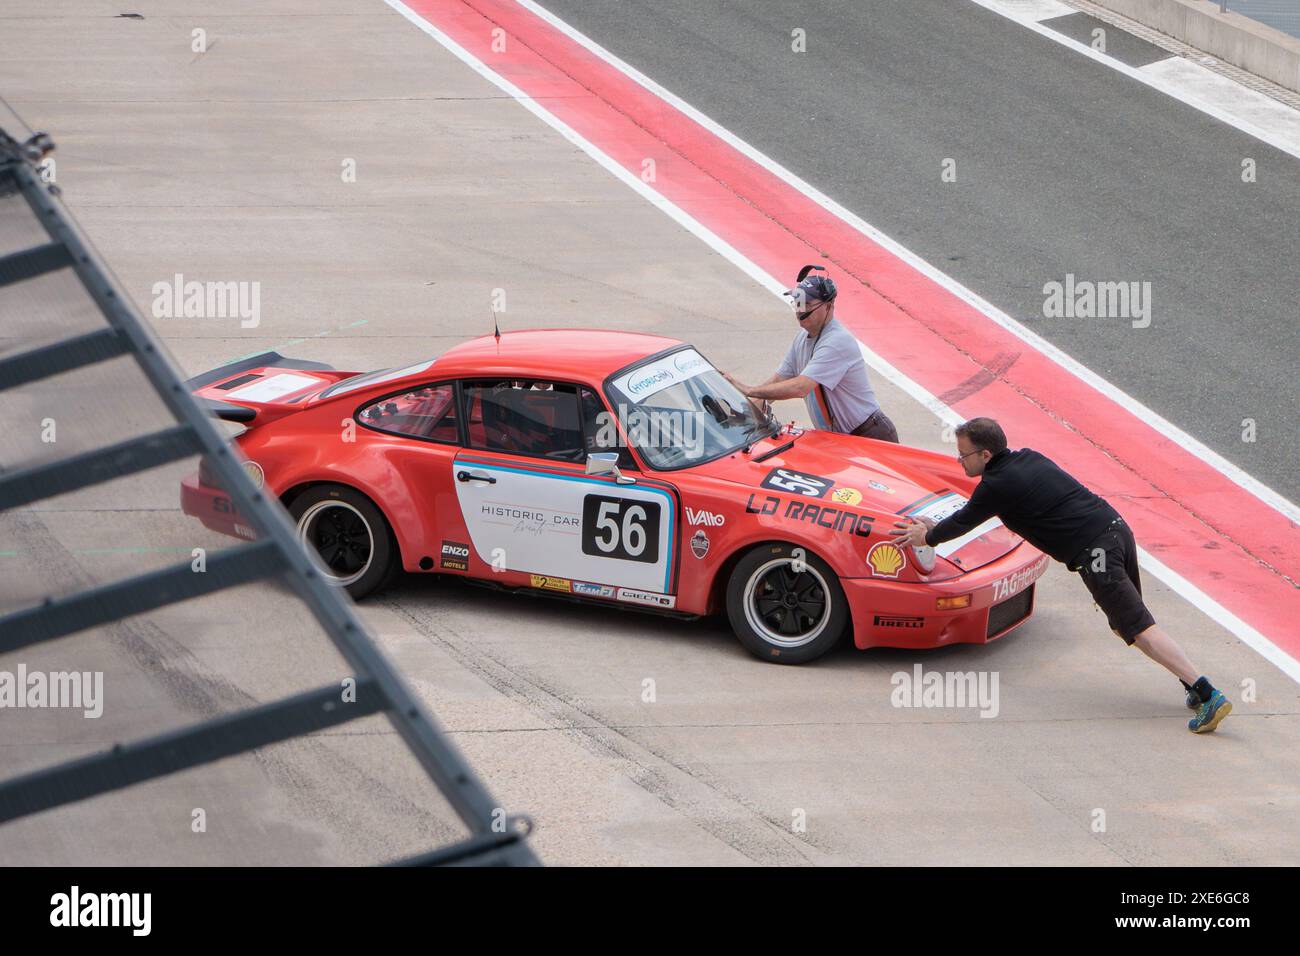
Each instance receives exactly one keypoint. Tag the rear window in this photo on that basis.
(428, 412)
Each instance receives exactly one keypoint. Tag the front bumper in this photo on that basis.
(213, 507)
(899, 614)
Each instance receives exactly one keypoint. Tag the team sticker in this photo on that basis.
(548, 582)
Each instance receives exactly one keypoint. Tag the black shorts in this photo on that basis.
(1109, 568)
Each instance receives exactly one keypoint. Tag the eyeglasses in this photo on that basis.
(969, 453)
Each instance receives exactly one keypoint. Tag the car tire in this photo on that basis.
(782, 614)
(350, 537)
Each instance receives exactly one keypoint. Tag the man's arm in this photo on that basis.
(974, 513)
(776, 388)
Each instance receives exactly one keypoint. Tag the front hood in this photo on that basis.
(884, 480)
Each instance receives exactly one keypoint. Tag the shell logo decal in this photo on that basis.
(886, 560)
(847, 496)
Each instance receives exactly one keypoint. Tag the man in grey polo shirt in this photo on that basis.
(825, 367)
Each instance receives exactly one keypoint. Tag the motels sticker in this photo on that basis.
(699, 544)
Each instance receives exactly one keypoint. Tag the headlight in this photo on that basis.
(924, 556)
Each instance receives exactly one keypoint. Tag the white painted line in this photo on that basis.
(1040, 9)
(1186, 589)
(1212, 458)
(1221, 615)
(1221, 112)
(1228, 95)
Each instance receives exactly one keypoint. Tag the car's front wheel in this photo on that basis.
(348, 535)
(786, 604)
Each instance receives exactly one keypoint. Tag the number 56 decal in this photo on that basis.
(620, 528)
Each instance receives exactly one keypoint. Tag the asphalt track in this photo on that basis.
(226, 166)
(1063, 166)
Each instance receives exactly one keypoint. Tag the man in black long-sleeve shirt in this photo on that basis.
(1060, 517)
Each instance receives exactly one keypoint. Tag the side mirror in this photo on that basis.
(606, 463)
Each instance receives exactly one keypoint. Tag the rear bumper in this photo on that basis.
(213, 507)
(894, 614)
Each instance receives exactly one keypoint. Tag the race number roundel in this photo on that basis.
(624, 529)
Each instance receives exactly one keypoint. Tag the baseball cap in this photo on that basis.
(811, 288)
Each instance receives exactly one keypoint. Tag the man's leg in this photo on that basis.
(878, 426)
(1110, 572)
(1164, 650)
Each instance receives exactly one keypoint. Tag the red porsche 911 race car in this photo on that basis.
(616, 468)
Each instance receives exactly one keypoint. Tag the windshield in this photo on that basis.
(677, 410)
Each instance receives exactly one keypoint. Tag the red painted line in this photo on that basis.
(1224, 540)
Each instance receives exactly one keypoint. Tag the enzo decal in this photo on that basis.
(846, 496)
(889, 620)
(796, 483)
(886, 560)
(454, 557)
(550, 583)
(699, 544)
(622, 528)
(646, 597)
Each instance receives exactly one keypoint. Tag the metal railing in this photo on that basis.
(494, 837)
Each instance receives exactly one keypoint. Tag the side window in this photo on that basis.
(428, 412)
(600, 432)
(525, 417)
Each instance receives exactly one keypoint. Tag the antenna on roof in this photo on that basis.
(496, 330)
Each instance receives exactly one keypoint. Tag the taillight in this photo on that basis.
(207, 476)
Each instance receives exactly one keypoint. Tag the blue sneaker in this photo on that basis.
(1210, 713)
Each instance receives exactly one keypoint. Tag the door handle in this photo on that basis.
(471, 476)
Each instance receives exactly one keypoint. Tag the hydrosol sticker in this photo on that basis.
(645, 380)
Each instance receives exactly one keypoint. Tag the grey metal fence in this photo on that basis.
(31, 207)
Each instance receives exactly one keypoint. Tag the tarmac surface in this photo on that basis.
(227, 165)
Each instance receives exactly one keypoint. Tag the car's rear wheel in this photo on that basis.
(349, 536)
(786, 604)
